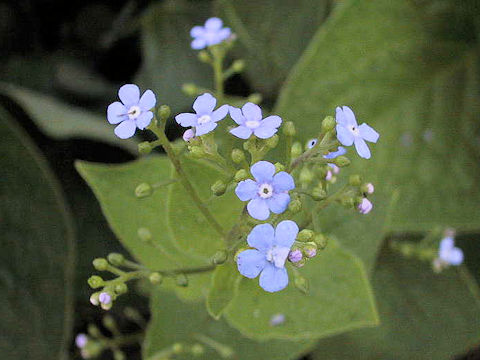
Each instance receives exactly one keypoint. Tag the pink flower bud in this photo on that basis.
(188, 135)
(370, 188)
(365, 206)
(295, 256)
(105, 298)
(81, 340)
(329, 176)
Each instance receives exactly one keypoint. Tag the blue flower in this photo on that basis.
(267, 193)
(133, 112)
(448, 253)
(348, 132)
(249, 119)
(334, 154)
(210, 34)
(205, 119)
(271, 249)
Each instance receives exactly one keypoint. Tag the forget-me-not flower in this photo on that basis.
(349, 132)
(271, 249)
(249, 119)
(205, 119)
(268, 192)
(448, 253)
(365, 206)
(212, 33)
(132, 112)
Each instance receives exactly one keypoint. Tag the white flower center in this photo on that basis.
(265, 191)
(134, 112)
(278, 255)
(252, 124)
(204, 119)
(354, 130)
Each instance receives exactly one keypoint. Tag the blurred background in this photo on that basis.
(62, 64)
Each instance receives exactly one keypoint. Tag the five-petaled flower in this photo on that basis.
(249, 119)
(349, 132)
(269, 191)
(132, 112)
(205, 119)
(448, 253)
(211, 34)
(271, 249)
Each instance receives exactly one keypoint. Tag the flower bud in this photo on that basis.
(342, 161)
(328, 124)
(218, 188)
(116, 259)
(81, 340)
(295, 256)
(144, 234)
(305, 235)
(310, 249)
(311, 144)
(301, 283)
(296, 150)
(241, 175)
(295, 206)
(355, 180)
(197, 349)
(219, 257)
(188, 135)
(121, 288)
(95, 282)
(93, 331)
(204, 57)
(238, 66)
(272, 142)
(94, 299)
(255, 98)
(279, 167)
(321, 241)
(109, 322)
(197, 152)
(348, 202)
(300, 263)
(365, 206)
(164, 112)
(181, 280)
(106, 306)
(329, 176)
(190, 89)
(238, 156)
(319, 193)
(145, 148)
(143, 190)
(155, 278)
(100, 264)
(105, 298)
(306, 176)
(368, 188)
(289, 129)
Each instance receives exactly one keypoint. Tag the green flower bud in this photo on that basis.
(106, 306)
(272, 142)
(348, 202)
(238, 66)
(305, 235)
(306, 176)
(255, 98)
(109, 322)
(164, 112)
(197, 349)
(197, 152)
(155, 278)
(295, 206)
(181, 280)
(100, 264)
(144, 234)
(301, 283)
(300, 263)
(328, 124)
(319, 193)
(218, 188)
(94, 300)
(219, 257)
(145, 148)
(121, 288)
(355, 180)
(190, 89)
(289, 129)
(310, 249)
(177, 348)
(118, 355)
(116, 259)
(240, 175)
(93, 331)
(297, 150)
(204, 57)
(321, 241)
(143, 190)
(279, 167)
(342, 161)
(238, 156)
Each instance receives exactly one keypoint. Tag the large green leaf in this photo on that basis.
(37, 258)
(423, 315)
(223, 289)
(173, 321)
(419, 91)
(339, 299)
(62, 121)
(272, 35)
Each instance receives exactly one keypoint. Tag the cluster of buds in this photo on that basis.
(306, 246)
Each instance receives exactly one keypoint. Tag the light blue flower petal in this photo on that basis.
(286, 233)
(455, 256)
(283, 181)
(213, 23)
(258, 209)
(126, 129)
(278, 203)
(349, 116)
(340, 116)
(236, 115)
(273, 121)
(147, 101)
(144, 120)
(197, 31)
(252, 112)
(116, 113)
(129, 94)
(220, 113)
(362, 148)
(241, 132)
(344, 135)
(205, 128)
(264, 132)
(250, 262)
(263, 171)
(446, 244)
(334, 154)
(246, 189)
(261, 237)
(367, 133)
(186, 119)
(224, 34)
(204, 104)
(273, 279)
(198, 43)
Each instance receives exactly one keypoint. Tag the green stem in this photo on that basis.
(217, 65)
(288, 155)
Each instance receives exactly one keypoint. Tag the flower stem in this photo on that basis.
(217, 66)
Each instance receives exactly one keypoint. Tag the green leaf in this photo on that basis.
(173, 321)
(62, 121)
(419, 91)
(114, 186)
(272, 36)
(423, 315)
(38, 253)
(339, 299)
(168, 59)
(222, 291)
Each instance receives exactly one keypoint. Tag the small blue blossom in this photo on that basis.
(211, 34)
(448, 253)
(269, 191)
(205, 119)
(270, 251)
(81, 340)
(334, 154)
(132, 112)
(311, 143)
(348, 132)
(365, 206)
(249, 119)
(105, 298)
